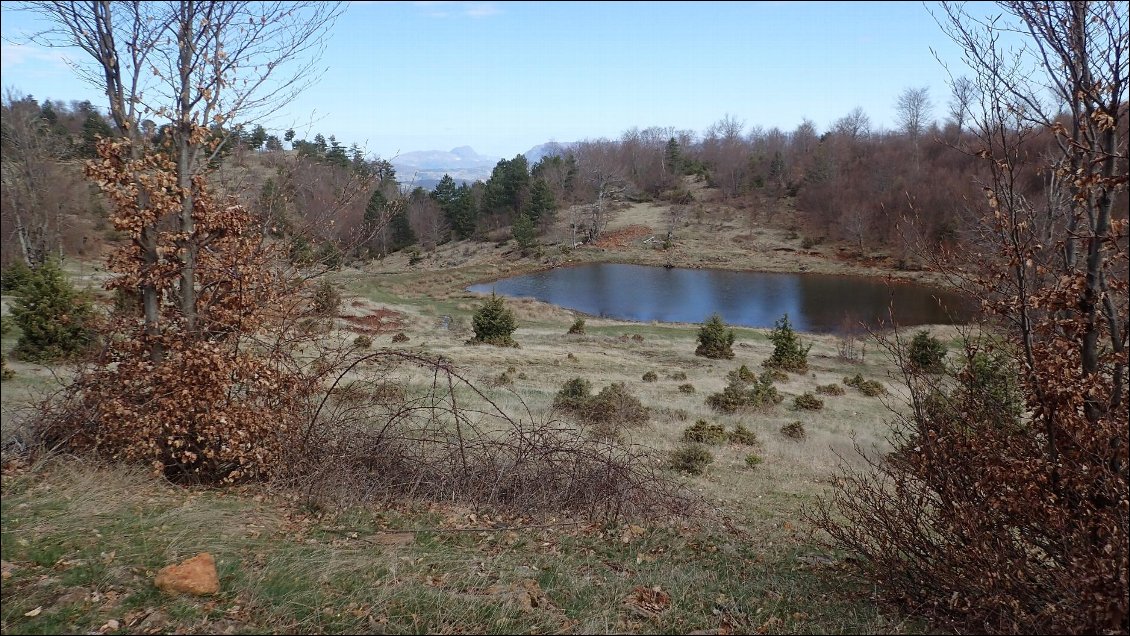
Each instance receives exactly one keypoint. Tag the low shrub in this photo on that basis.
(742, 374)
(578, 328)
(740, 395)
(926, 353)
(614, 404)
(686, 388)
(870, 388)
(327, 299)
(742, 435)
(400, 337)
(830, 389)
(691, 458)
(650, 376)
(362, 342)
(704, 432)
(753, 460)
(574, 395)
(678, 375)
(794, 430)
(389, 393)
(808, 402)
(770, 376)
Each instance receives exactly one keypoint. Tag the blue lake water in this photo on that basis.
(820, 303)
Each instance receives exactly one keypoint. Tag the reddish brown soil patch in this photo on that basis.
(624, 236)
(376, 321)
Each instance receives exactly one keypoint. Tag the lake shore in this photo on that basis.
(82, 539)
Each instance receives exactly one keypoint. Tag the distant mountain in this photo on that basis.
(548, 149)
(425, 168)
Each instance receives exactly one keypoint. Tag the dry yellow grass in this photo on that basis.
(437, 583)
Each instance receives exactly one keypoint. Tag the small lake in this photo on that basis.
(821, 303)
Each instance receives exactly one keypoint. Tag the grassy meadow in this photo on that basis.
(82, 540)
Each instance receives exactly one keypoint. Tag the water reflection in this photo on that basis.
(814, 302)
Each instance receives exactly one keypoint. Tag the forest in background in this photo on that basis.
(901, 191)
(998, 503)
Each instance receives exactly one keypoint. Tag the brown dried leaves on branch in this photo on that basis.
(226, 397)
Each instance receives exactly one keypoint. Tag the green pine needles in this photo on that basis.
(788, 353)
(494, 323)
(55, 320)
(715, 340)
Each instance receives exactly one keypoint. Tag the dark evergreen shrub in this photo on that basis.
(715, 340)
(788, 353)
(493, 323)
(56, 322)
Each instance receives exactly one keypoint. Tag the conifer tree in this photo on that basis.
(524, 232)
(55, 321)
(494, 323)
(715, 340)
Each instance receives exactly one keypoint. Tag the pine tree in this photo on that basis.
(543, 207)
(257, 137)
(674, 158)
(375, 210)
(401, 230)
(715, 340)
(336, 153)
(93, 127)
(494, 323)
(55, 321)
(464, 216)
(524, 232)
(788, 353)
(445, 192)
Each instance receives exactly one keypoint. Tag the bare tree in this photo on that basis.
(912, 111)
(29, 170)
(724, 149)
(602, 174)
(193, 64)
(854, 125)
(963, 92)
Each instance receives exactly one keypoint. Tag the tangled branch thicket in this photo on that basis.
(447, 440)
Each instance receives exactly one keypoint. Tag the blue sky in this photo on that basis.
(504, 76)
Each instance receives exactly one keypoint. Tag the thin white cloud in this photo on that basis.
(482, 10)
(13, 55)
(446, 9)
